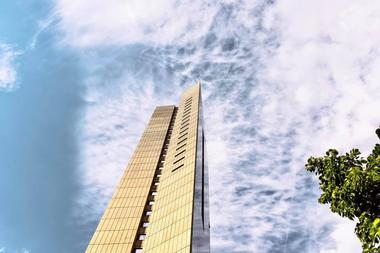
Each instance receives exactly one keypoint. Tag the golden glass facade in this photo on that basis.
(161, 202)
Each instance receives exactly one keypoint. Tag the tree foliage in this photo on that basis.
(351, 185)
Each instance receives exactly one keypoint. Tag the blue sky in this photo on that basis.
(281, 81)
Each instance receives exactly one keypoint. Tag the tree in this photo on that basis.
(351, 185)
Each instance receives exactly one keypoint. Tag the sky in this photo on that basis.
(282, 81)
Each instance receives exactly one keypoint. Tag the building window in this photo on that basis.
(145, 224)
(183, 151)
(180, 159)
(142, 237)
(177, 168)
(181, 141)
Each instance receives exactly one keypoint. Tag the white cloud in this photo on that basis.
(342, 235)
(132, 21)
(8, 250)
(282, 82)
(8, 72)
(324, 69)
(42, 26)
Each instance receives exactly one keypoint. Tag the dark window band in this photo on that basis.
(187, 120)
(186, 113)
(183, 151)
(180, 159)
(181, 146)
(186, 117)
(177, 168)
(182, 131)
(181, 141)
(183, 126)
(182, 136)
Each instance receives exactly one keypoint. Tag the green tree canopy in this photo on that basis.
(351, 185)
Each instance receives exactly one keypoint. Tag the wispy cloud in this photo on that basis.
(43, 25)
(158, 22)
(8, 73)
(8, 250)
(282, 81)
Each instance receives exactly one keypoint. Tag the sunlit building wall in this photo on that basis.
(161, 202)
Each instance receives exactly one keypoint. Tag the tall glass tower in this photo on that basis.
(161, 202)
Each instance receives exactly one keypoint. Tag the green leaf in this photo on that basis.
(351, 185)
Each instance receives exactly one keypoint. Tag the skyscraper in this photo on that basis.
(161, 202)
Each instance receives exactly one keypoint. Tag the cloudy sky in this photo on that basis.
(282, 80)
